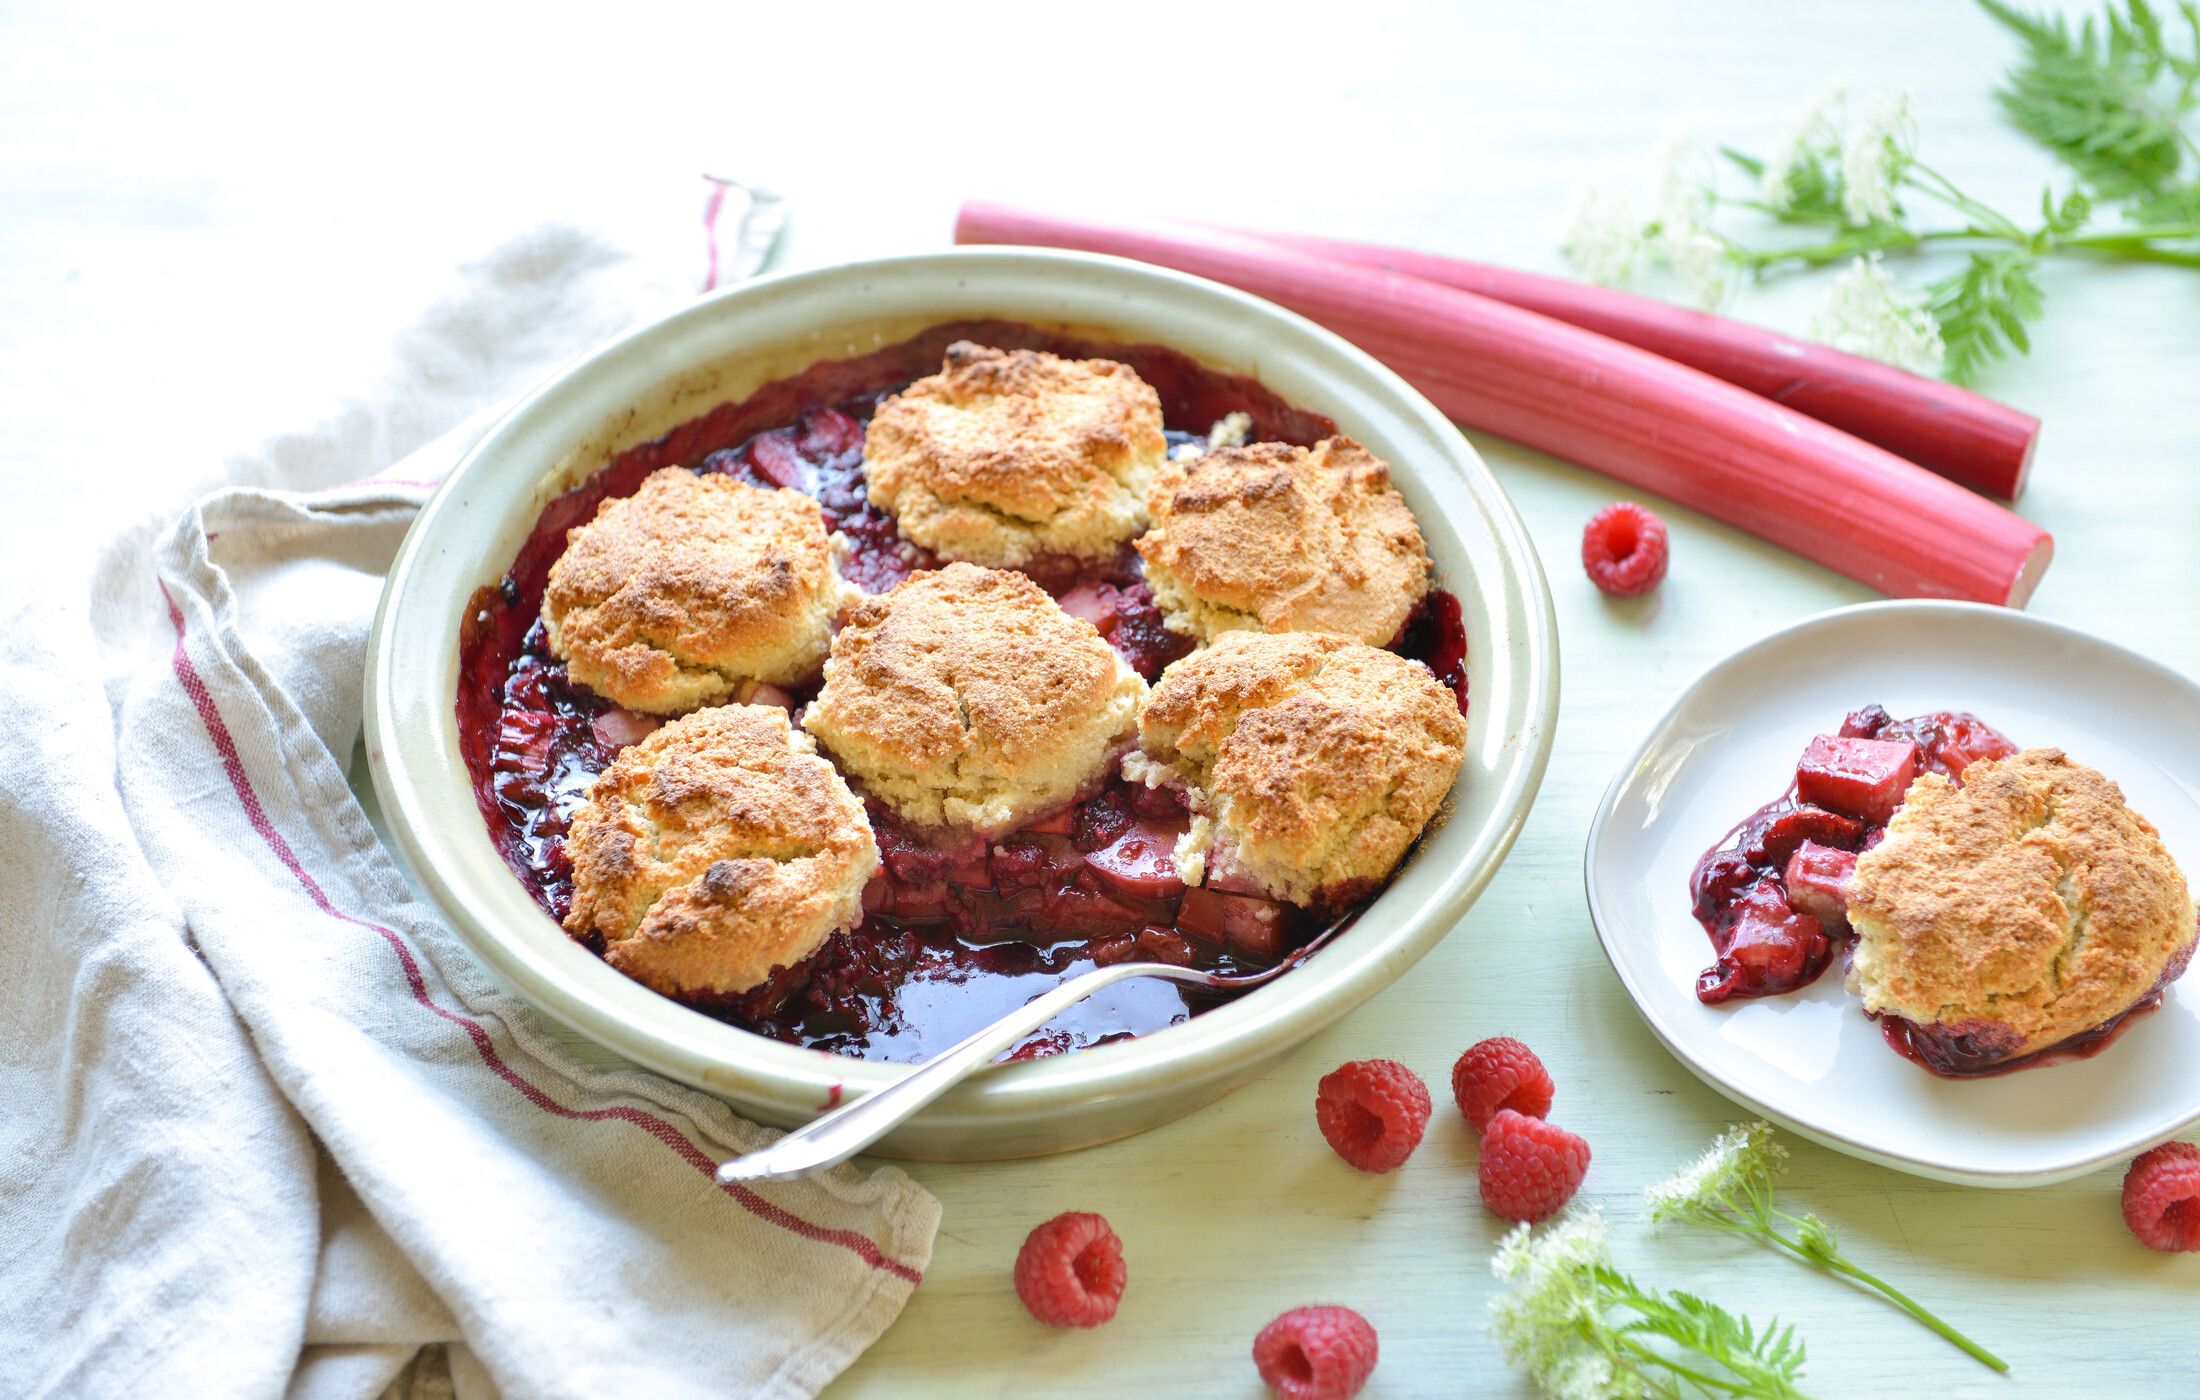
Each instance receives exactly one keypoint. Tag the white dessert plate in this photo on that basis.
(1811, 1061)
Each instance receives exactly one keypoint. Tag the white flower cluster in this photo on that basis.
(1864, 313)
(1868, 161)
(1606, 239)
(1875, 156)
(1742, 1159)
(1601, 235)
(1811, 132)
(1551, 1309)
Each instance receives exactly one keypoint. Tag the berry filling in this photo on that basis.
(1773, 895)
(954, 935)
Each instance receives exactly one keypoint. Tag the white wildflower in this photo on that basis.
(1875, 156)
(1586, 1375)
(1742, 1160)
(1545, 1316)
(1809, 135)
(1686, 181)
(1576, 1239)
(1601, 236)
(1864, 313)
(1699, 258)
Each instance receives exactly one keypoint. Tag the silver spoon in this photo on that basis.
(832, 1138)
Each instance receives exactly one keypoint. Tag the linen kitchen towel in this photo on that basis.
(265, 1127)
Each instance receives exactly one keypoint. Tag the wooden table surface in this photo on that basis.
(212, 220)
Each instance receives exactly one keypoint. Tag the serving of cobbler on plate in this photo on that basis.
(2001, 908)
(868, 706)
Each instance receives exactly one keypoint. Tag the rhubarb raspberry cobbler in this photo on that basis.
(1278, 538)
(2002, 908)
(896, 609)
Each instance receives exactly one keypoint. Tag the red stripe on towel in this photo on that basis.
(659, 1128)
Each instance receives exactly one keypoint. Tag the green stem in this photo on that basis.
(1943, 189)
(1834, 250)
(2137, 245)
(1840, 1265)
(1879, 239)
(1654, 1357)
(2173, 257)
(2151, 233)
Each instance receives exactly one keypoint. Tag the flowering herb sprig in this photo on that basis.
(2109, 100)
(1583, 1330)
(1731, 1189)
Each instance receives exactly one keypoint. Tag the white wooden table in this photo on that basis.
(212, 220)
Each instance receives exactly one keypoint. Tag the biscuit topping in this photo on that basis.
(966, 698)
(717, 849)
(1004, 457)
(1317, 761)
(691, 590)
(1275, 538)
(2026, 906)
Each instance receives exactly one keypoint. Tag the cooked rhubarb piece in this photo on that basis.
(1247, 924)
(1769, 948)
(1786, 829)
(1818, 883)
(1060, 824)
(617, 727)
(1164, 945)
(1864, 778)
(1094, 602)
(523, 741)
(1140, 861)
(1866, 723)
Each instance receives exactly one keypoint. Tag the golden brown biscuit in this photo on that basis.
(693, 589)
(1275, 538)
(1312, 763)
(965, 698)
(1004, 457)
(717, 849)
(2018, 910)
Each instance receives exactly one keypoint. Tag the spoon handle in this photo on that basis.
(834, 1137)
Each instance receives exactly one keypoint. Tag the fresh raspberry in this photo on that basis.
(1070, 1271)
(2162, 1198)
(1372, 1112)
(1624, 550)
(1530, 1168)
(1316, 1353)
(1500, 1073)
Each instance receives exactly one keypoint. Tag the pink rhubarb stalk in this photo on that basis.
(1966, 437)
(1786, 478)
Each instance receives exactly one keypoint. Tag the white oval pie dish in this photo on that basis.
(724, 346)
(1810, 1060)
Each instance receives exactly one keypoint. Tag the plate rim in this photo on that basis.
(2064, 1169)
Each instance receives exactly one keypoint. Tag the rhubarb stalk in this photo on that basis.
(1786, 478)
(1966, 437)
